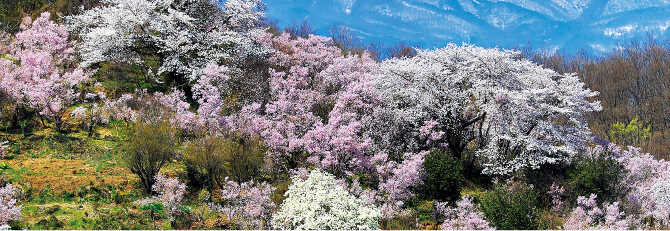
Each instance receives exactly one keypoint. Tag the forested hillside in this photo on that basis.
(634, 86)
(144, 114)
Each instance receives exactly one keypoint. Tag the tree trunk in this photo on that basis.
(90, 130)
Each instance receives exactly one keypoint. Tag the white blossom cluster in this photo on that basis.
(318, 202)
(186, 34)
(516, 113)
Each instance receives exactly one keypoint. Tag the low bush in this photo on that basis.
(443, 176)
(210, 159)
(149, 147)
(598, 173)
(511, 206)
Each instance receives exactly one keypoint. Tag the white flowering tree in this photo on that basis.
(512, 112)
(185, 34)
(318, 202)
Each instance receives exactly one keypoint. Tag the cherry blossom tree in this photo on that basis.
(185, 34)
(514, 113)
(300, 99)
(38, 72)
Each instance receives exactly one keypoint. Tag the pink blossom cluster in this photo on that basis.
(177, 109)
(430, 132)
(170, 194)
(209, 91)
(465, 216)
(153, 107)
(647, 187)
(396, 180)
(308, 76)
(9, 209)
(556, 193)
(247, 204)
(37, 71)
(119, 109)
(644, 190)
(588, 215)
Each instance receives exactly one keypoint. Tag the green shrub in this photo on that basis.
(148, 148)
(634, 133)
(209, 160)
(511, 206)
(443, 177)
(51, 223)
(598, 175)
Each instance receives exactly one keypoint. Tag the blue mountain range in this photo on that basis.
(553, 25)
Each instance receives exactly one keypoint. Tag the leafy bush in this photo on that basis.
(209, 160)
(596, 173)
(148, 148)
(633, 133)
(320, 203)
(443, 176)
(511, 206)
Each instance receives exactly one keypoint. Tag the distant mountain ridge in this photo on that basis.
(566, 25)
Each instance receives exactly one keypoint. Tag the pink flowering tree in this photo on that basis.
(646, 186)
(39, 71)
(247, 204)
(313, 104)
(643, 193)
(465, 216)
(588, 215)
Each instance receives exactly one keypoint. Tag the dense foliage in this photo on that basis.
(210, 160)
(443, 176)
(511, 206)
(598, 173)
